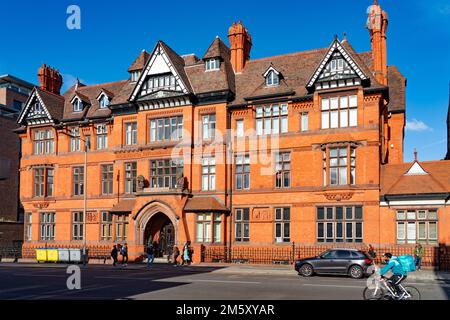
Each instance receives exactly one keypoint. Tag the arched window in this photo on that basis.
(272, 79)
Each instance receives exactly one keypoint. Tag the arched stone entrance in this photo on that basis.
(157, 223)
(160, 232)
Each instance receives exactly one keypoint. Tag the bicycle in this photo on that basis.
(383, 291)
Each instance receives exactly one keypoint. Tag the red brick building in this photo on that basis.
(224, 149)
(13, 95)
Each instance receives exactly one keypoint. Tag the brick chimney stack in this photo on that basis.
(377, 24)
(241, 44)
(50, 79)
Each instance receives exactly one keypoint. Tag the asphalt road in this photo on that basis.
(164, 282)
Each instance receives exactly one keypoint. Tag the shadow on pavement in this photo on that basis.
(97, 282)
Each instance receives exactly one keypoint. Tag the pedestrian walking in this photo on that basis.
(418, 255)
(176, 254)
(371, 252)
(124, 252)
(150, 255)
(186, 256)
(114, 253)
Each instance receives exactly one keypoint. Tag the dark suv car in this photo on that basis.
(351, 262)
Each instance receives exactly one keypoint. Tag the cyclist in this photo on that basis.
(399, 274)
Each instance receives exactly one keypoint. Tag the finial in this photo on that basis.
(375, 2)
(345, 36)
(415, 155)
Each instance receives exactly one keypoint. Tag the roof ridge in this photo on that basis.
(288, 54)
(50, 93)
(102, 84)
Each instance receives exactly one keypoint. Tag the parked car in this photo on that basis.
(351, 262)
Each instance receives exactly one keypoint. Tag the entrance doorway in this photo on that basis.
(160, 232)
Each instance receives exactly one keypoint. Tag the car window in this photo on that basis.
(330, 254)
(343, 254)
(357, 254)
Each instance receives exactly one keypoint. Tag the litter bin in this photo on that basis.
(75, 255)
(52, 255)
(41, 255)
(63, 255)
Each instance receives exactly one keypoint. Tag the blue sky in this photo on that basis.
(114, 32)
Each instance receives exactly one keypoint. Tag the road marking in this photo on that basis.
(205, 280)
(39, 275)
(331, 285)
(20, 289)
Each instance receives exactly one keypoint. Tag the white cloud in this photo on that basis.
(416, 125)
(68, 81)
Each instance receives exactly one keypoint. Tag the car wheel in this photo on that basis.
(356, 272)
(306, 270)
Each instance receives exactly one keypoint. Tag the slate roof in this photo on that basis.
(295, 68)
(54, 103)
(90, 94)
(205, 204)
(223, 79)
(395, 182)
(140, 61)
(397, 86)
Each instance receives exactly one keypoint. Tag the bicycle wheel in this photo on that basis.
(413, 292)
(373, 293)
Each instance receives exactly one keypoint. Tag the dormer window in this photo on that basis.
(212, 64)
(77, 105)
(272, 79)
(135, 76)
(104, 101)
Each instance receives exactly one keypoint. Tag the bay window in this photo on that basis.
(208, 228)
(339, 166)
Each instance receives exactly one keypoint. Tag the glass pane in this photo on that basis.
(325, 120)
(401, 230)
(320, 230)
(422, 231)
(401, 215)
(339, 213)
(411, 232)
(432, 230)
(353, 101)
(334, 119)
(344, 118)
(325, 104)
(329, 213)
(353, 117)
(320, 213)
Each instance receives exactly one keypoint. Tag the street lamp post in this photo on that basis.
(86, 148)
(87, 145)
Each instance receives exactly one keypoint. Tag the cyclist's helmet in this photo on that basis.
(388, 255)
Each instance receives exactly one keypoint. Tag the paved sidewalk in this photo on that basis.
(278, 270)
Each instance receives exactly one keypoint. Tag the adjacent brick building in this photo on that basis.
(304, 147)
(13, 95)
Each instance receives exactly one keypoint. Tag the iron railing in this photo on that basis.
(434, 256)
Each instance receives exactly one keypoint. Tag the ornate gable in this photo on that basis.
(35, 111)
(160, 73)
(337, 69)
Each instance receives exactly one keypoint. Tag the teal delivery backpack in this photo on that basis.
(407, 263)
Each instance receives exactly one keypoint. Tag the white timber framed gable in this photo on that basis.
(337, 69)
(35, 111)
(160, 85)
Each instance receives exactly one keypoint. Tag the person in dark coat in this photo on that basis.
(176, 254)
(114, 253)
(124, 252)
(150, 255)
